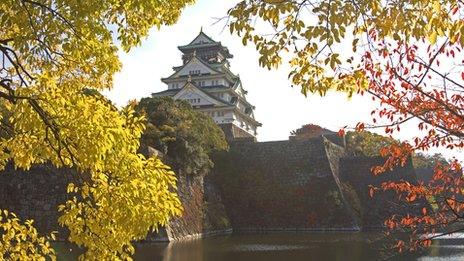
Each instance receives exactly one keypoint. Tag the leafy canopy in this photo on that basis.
(366, 143)
(406, 55)
(186, 137)
(55, 56)
(314, 34)
(308, 131)
(21, 241)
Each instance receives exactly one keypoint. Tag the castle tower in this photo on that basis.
(206, 82)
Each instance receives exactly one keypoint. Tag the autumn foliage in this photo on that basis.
(308, 131)
(413, 87)
(55, 59)
(405, 55)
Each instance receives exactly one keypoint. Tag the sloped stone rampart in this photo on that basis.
(356, 173)
(257, 186)
(203, 212)
(36, 194)
(281, 185)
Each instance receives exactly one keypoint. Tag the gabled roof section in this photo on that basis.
(228, 72)
(191, 89)
(201, 38)
(170, 92)
(184, 69)
(238, 87)
(204, 41)
(248, 117)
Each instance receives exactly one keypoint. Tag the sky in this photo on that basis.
(279, 107)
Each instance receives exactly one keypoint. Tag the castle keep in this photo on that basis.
(206, 82)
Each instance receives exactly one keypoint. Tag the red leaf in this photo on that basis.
(371, 192)
(411, 198)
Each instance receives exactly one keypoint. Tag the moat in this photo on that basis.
(284, 246)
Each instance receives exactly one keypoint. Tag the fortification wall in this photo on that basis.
(203, 214)
(335, 152)
(233, 132)
(356, 173)
(36, 194)
(280, 185)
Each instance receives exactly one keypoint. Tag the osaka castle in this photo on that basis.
(206, 82)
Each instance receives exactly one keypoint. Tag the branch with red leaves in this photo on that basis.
(416, 83)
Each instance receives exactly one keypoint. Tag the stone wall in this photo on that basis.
(203, 214)
(281, 185)
(233, 132)
(355, 172)
(36, 194)
(425, 174)
(335, 152)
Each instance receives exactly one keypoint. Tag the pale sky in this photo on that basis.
(279, 107)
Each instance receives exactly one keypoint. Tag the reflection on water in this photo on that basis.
(263, 247)
(287, 247)
(445, 249)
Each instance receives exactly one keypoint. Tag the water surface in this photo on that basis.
(287, 247)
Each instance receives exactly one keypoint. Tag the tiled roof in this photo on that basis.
(170, 92)
(211, 43)
(201, 61)
(200, 34)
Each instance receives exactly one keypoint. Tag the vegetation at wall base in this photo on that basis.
(186, 137)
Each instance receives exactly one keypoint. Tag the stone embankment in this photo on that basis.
(292, 185)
